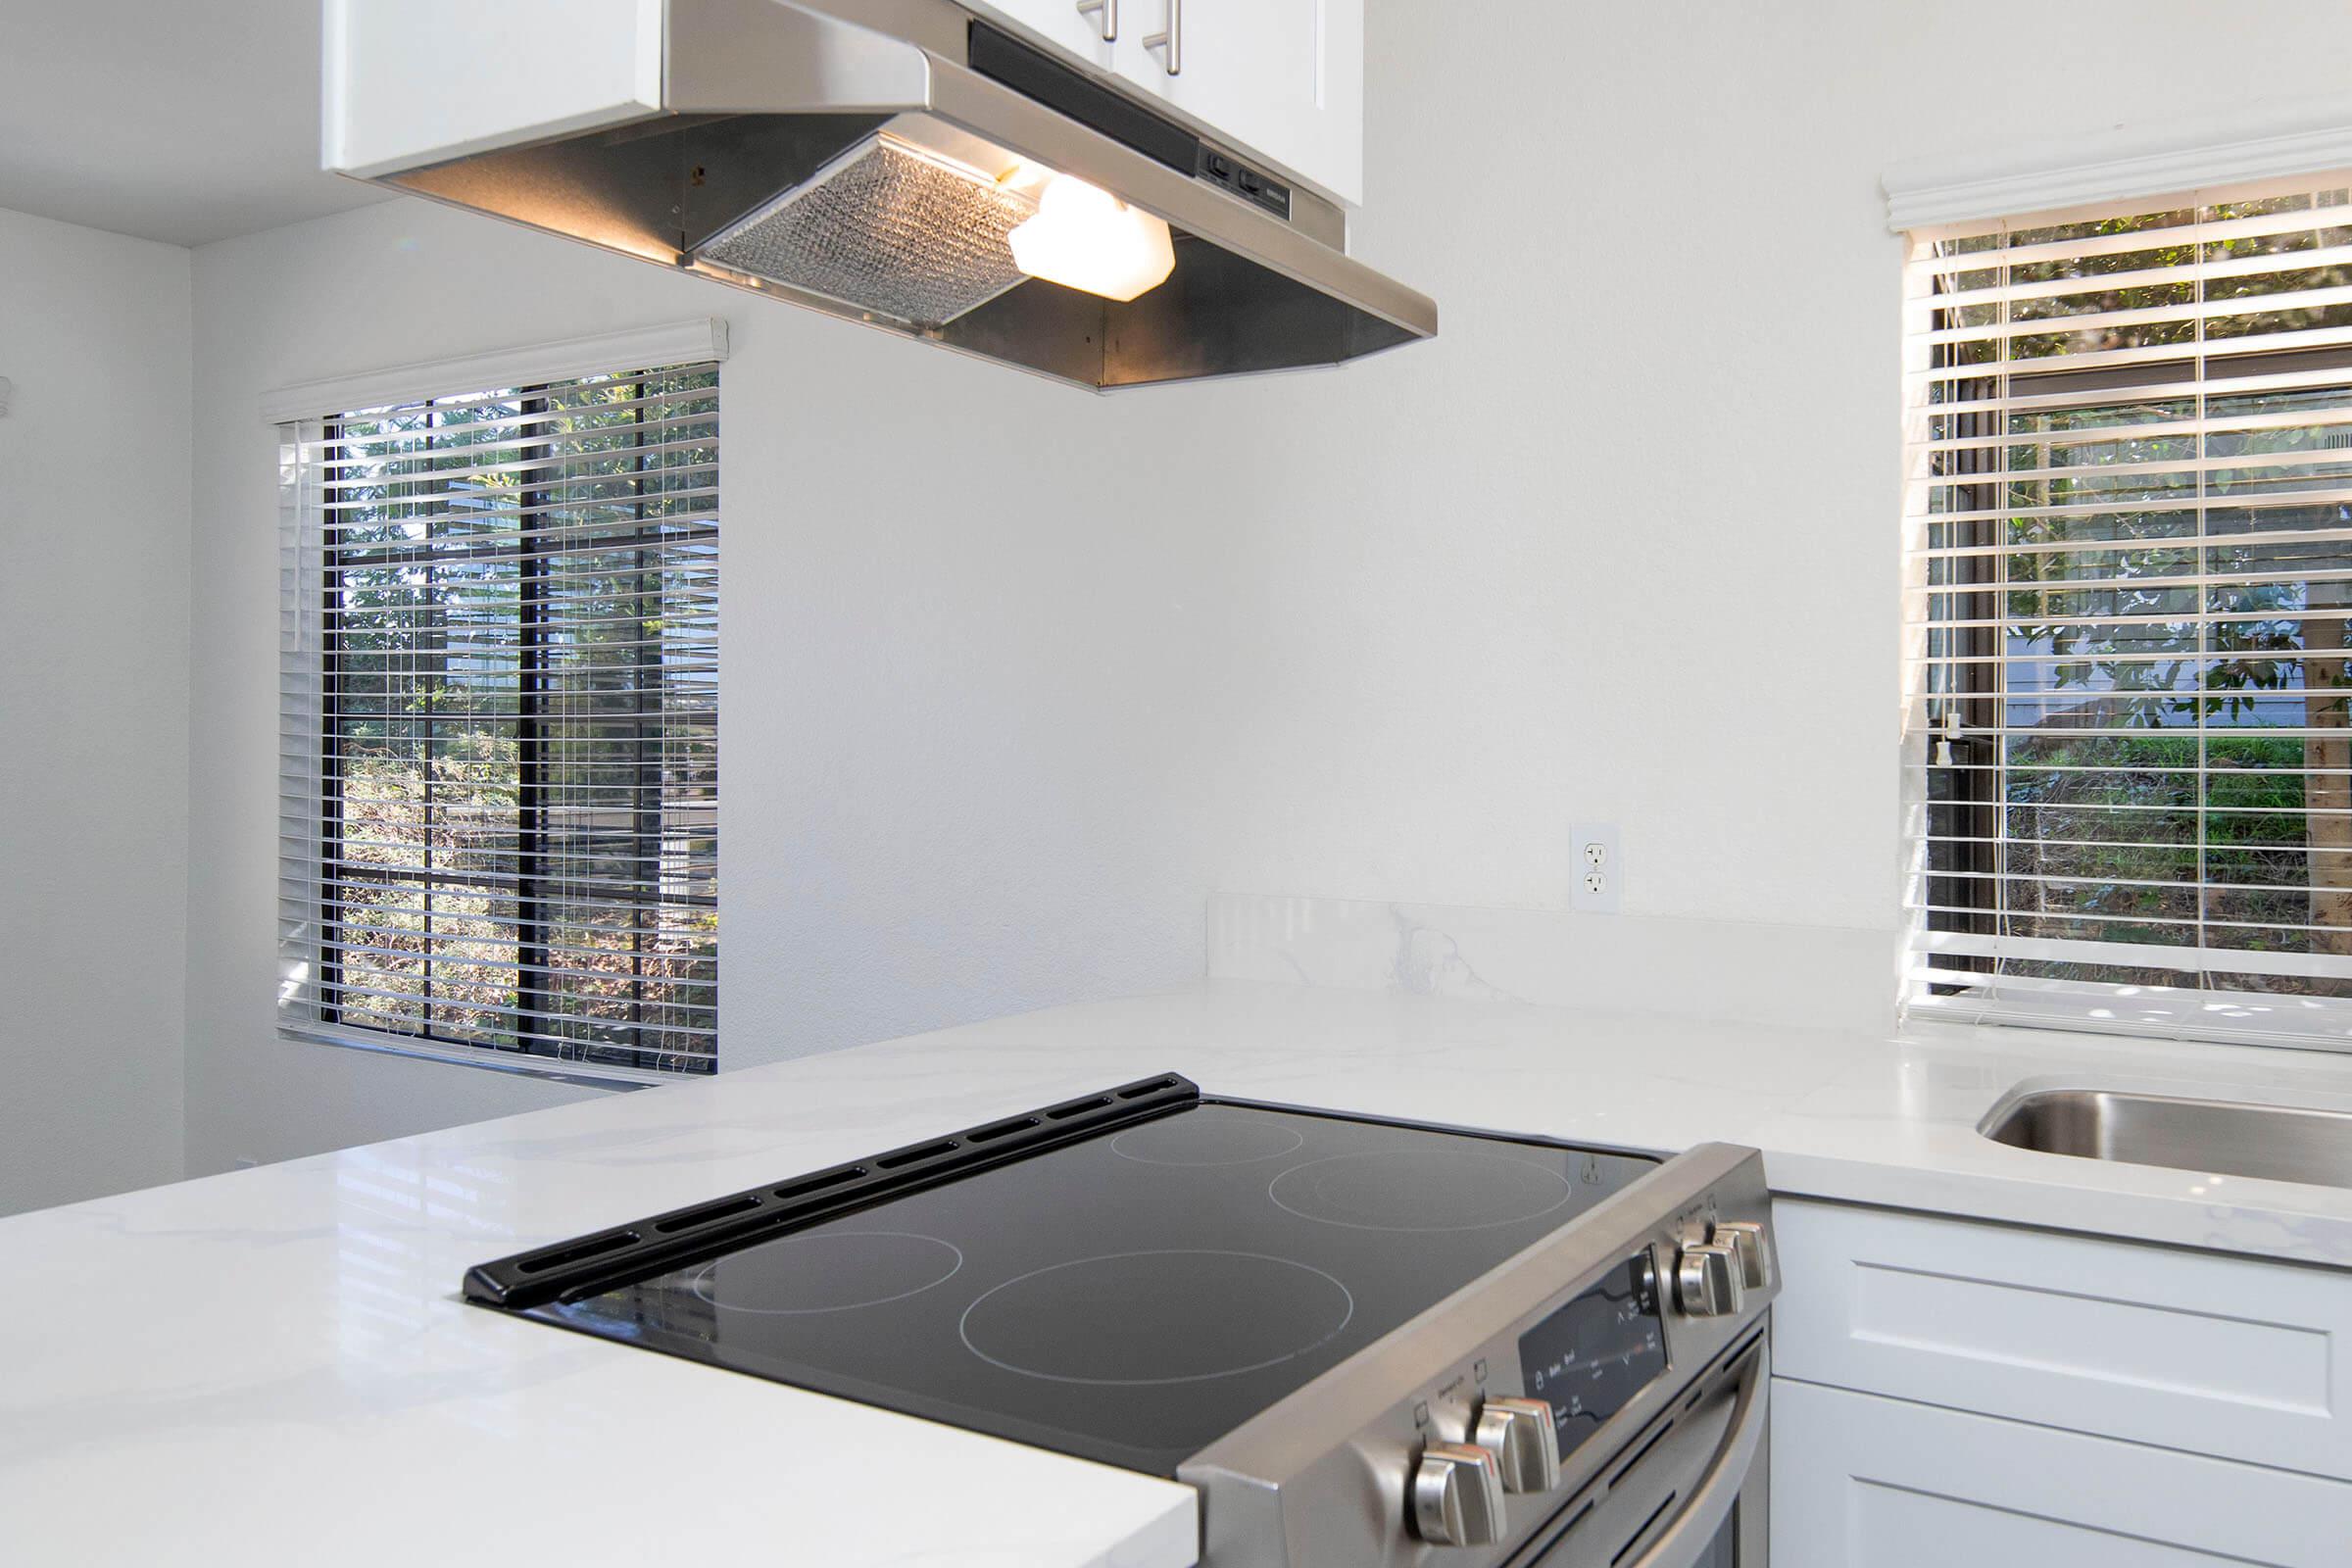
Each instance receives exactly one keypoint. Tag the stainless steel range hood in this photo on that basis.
(866, 158)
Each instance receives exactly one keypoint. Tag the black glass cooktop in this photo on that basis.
(1129, 1297)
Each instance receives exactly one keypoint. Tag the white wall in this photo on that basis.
(94, 710)
(1621, 544)
(1014, 676)
(960, 725)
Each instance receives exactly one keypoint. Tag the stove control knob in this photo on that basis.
(1754, 1250)
(1707, 1281)
(1526, 1445)
(1457, 1496)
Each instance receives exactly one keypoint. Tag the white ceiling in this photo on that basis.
(185, 121)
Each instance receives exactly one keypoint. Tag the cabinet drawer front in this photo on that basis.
(1861, 1481)
(2213, 1355)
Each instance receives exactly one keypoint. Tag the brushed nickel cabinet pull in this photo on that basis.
(1171, 42)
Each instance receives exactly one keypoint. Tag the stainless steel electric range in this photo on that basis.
(1365, 1343)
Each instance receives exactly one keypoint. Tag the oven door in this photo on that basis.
(1695, 1497)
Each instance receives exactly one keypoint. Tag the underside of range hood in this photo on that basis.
(796, 148)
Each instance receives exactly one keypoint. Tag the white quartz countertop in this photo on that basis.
(274, 1366)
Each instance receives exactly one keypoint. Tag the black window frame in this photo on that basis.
(537, 760)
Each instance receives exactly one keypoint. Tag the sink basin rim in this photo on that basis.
(2206, 1135)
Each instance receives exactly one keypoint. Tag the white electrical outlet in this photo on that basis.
(1599, 867)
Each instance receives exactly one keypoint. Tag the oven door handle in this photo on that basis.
(1693, 1528)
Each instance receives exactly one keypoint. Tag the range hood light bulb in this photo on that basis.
(1088, 239)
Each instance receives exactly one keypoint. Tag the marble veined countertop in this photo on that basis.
(274, 1366)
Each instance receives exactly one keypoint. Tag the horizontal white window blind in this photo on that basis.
(2129, 515)
(499, 762)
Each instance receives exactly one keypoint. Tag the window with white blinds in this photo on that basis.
(2129, 517)
(499, 771)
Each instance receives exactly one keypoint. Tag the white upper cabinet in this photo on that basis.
(400, 91)
(1279, 79)
(1283, 77)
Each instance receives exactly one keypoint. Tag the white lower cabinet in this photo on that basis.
(2210, 1352)
(1960, 1395)
(1860, 1480)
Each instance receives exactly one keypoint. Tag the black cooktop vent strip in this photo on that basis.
(587, 1265)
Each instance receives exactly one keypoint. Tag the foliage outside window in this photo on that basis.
(502, 707)
(2130, 471)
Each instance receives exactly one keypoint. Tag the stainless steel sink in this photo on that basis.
(2276, 1143)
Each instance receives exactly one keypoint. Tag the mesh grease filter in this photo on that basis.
(887, 230)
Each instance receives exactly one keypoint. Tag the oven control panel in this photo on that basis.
(1588, 1360)
(1576, 1395)
(1581, 1364)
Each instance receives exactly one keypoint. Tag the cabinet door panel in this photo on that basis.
(1331, 138)
(1283, 78)
(1859, 1481)
(2225, 1355)
(1949, 1533)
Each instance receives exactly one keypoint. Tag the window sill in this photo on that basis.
(582, 1074)
(2282, 1020)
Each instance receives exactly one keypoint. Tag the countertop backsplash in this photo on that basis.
(1833, 977)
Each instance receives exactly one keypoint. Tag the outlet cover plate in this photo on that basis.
(1596, 868)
